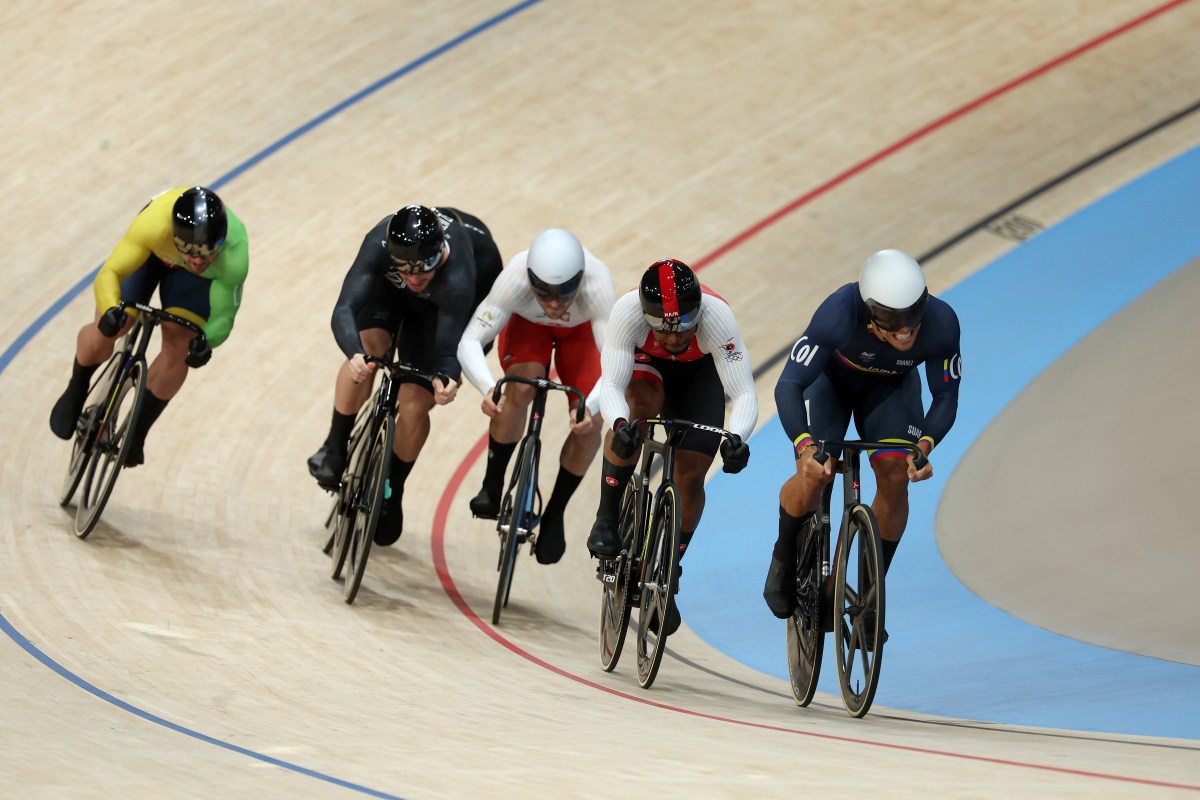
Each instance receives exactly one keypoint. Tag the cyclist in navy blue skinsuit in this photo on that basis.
(859, 355)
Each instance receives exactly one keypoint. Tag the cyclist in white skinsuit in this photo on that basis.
(555, 298)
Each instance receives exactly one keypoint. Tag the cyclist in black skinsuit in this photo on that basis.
(859, 355)
(418, 276)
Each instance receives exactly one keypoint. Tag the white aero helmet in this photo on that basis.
(555, 265)
(893, 287)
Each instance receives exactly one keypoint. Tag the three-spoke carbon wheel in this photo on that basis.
(109, 449)
(657, 586)
(805, 639)
(858, 602)
(366, 503)
(615, 603)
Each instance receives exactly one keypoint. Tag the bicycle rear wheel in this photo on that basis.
(110, 447)
(615, 604)
(805, 639)
(658, 586)
(514, 524)
(367, 504)
(858, 601)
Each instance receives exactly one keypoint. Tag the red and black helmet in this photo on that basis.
(670, 295)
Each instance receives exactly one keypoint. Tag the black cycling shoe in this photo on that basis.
(136, 455)
(780, 588)
(603, 541)
(551, 542)
(65, 414)
(391, 521)
(327, 465)
(483, 506)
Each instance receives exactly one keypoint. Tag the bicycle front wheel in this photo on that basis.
(85, 430)
(81, 453)
(367, 504)
(858, 602)
(341, 516)
(515, 524)
(657, 585)
(615, 604)
(805, 639)
(110, 446)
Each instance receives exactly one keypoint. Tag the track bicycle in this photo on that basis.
(854, 610)
(359, 497)
(521, 508)
(646, 571)
(111, 411)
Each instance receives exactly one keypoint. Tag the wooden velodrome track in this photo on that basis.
(194, 645)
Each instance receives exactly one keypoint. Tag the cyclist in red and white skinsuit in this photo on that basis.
(673, 350)
(555, 298)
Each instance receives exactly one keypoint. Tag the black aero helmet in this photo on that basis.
(415, 239)
(198, 222)
(670, 296)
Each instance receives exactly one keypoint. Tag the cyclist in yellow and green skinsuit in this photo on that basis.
(194, 251)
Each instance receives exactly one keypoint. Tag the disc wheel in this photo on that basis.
(858, 601)
(657, 586)
(805, 639)
(110, 447)
(367, 504)
(615, 603)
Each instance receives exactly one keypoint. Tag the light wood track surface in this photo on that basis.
(650, 130)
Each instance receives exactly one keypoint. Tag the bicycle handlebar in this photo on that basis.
(400, 368)
(650, 422)
(919, 459)
(161, 316)
(542, 385)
